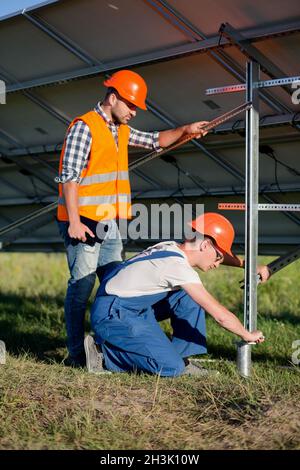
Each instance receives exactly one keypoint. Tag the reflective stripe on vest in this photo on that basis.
(104, 178)
(97, 200)
(104, 188)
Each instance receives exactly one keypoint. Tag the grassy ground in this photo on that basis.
(44, 405)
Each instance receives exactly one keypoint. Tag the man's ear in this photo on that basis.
(204, 245)
(112, 99)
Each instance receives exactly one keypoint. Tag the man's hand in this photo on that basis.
(196, 128)
(255, 337)
(263, 272)
(78, 230)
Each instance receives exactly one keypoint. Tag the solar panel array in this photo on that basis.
(54, 59)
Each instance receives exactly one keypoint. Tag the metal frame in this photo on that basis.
(239, 125)
(154, 109)
(251, 207)
(251, 216)
(219, 56)
(75, 49)
(36, 99)
(261, 207)
(204, 45)
(143, 59)
(253, 53)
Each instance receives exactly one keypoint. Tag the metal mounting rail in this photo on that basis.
(260, 84)
(279, 263)
(261, 207)
(284, 261)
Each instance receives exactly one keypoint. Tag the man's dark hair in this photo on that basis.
(110, 91)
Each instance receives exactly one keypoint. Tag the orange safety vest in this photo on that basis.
(104, 190)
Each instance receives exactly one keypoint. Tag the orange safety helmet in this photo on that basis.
(130, 85)
(217, 227)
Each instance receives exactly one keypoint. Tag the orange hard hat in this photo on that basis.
(217, 227)
(130, 85)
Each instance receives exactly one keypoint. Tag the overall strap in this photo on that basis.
(119, 267)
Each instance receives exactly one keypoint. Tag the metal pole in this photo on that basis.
(251, 217)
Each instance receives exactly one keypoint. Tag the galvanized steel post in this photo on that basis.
(251, 216)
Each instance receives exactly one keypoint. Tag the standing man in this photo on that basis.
(94, 186)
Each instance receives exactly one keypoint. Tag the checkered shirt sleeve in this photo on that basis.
(78, 146)
(77, 149)
(148, 140)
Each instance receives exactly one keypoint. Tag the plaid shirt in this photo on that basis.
(79, 140)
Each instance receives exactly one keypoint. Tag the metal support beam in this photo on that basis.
(59, 37)
(161, 193)
(42, 103)
(212, 155)
(14, 187)
(71, 47)
(219, 56)
(152, 57)
(28, 219)
(26, 201)
(35, 172)
(26, 225)
(279, 263)
(10, 139)
(253, 53)
(251, 217)
(227, 127)
(215, 157)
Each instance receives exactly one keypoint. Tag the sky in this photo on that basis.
(7, 7)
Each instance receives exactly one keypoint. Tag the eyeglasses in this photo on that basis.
(129, 105)
(219, 255)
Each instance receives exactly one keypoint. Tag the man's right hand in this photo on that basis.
(78, 231)
(254, 336)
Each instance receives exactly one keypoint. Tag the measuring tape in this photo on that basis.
(211, 125)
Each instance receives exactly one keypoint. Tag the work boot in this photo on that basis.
(94, 357)
(198, 371)
(2, 352)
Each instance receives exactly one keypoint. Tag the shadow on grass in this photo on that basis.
(40, 345)
(25, 327)
(230, 353)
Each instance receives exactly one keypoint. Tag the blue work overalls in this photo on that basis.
(129, 334)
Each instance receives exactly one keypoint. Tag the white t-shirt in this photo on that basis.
(153, 276)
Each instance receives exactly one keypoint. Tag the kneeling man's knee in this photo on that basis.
(171, 368)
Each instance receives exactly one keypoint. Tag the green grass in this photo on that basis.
(44, 405)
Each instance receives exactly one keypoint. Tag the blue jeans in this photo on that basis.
(84, 263)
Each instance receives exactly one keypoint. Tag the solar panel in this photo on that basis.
(55, 61)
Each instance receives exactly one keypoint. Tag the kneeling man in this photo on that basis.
(156, 284)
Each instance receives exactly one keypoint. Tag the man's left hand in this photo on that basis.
(264, 272)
